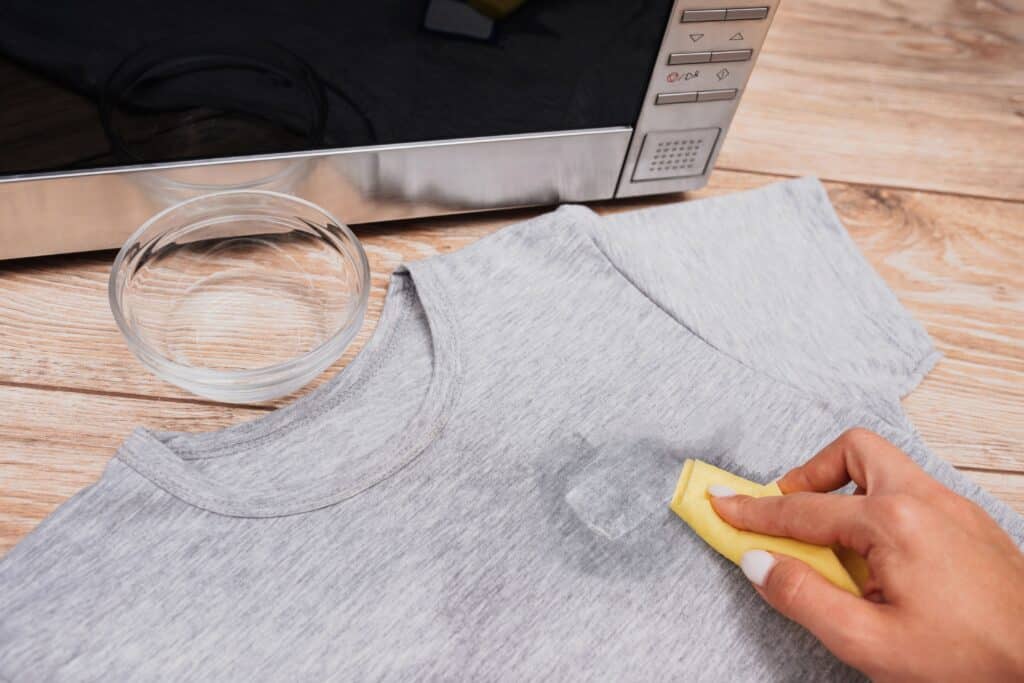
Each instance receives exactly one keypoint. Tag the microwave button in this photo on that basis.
(675, 97)
(691, 15)
(731, 56)
(716, 95)
(746, 13)
(692, 57)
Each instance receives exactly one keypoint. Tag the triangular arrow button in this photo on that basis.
(696, 36)
(737, 36)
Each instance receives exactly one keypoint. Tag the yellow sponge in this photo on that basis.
(691, 502)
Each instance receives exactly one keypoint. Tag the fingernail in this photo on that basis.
(720, 491)
(756, 565)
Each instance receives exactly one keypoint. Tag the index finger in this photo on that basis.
(860, 456)
(818, 518)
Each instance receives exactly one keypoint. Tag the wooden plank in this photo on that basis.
(955, 263)
(976, 413)
(54, 442)
(1007, 486)
(928, 95)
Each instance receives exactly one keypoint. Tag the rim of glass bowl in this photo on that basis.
(238, 381)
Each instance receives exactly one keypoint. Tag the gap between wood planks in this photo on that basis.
(255, 407)
(872, 186)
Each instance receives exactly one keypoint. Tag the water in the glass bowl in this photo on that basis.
(241, 303)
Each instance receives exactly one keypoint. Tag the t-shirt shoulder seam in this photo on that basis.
(920, 371)
(583, 234)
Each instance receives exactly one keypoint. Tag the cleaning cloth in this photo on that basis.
(691, 502)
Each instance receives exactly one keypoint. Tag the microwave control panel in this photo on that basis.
(705, 60)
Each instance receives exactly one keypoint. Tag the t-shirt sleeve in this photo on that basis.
(771, 278)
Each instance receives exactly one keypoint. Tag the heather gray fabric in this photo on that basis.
(482, 494)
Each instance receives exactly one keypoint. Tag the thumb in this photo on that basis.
(844, 623)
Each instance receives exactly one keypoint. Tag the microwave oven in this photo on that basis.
(377, 110)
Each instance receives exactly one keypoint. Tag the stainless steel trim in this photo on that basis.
(716, 95)
(98, 210)
(693, 15)
(675, 97)
(731, 55)
(304, 154)
(689, 58)
(742, 13)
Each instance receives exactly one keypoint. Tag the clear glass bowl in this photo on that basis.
(240, 296)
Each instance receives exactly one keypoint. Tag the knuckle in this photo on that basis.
(743, 513)
(787, 581)
(899, 514)
(790, 508)
(858, 438)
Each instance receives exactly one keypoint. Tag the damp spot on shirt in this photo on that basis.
(622, 485)
(607, 501)
(627, 480)
(606, 504)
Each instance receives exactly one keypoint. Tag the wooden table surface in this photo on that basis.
(911, 111)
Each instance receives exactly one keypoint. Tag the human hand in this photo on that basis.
(945, 600)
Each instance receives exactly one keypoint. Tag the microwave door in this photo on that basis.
(376, 110)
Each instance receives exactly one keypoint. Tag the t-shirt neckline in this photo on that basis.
(156, 456)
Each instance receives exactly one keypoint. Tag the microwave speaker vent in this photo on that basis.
(675, 153)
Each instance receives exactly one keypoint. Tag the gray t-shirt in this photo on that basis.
(482, 494)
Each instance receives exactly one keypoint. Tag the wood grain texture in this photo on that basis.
(906, 93)
(1008, 486)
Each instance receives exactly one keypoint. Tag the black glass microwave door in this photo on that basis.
(119, 82)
